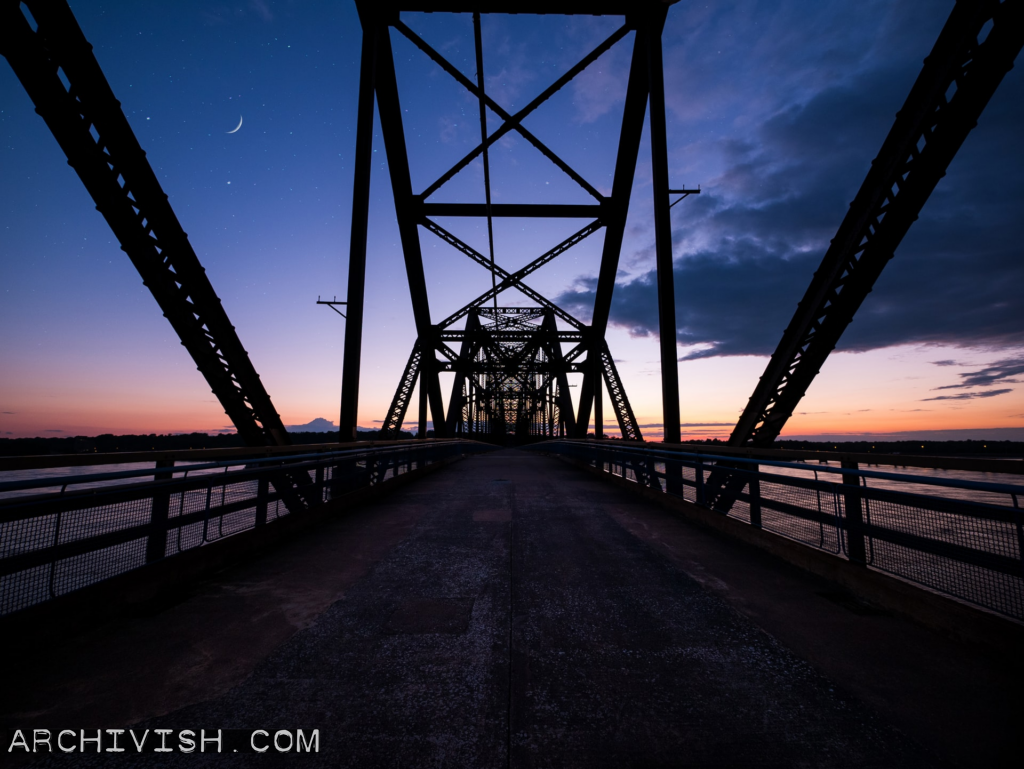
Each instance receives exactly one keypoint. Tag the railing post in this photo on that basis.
(699, 478)
(755, 496)
(674, 478)
(854, 515)
(262, 492)
(319, 483)
(156, 546)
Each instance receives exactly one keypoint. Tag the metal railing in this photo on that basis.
(961, 537)
(61, 533)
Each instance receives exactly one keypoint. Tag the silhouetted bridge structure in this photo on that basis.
(509, 609)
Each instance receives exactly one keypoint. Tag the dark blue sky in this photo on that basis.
(776, 109)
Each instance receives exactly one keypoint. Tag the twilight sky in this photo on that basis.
(775, 109)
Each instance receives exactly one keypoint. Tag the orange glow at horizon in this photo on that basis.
(883, 391)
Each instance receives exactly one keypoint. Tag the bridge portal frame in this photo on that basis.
(378, 79)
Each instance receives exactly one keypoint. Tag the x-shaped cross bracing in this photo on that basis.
(512, 122)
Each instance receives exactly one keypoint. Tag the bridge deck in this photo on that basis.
(513, 611)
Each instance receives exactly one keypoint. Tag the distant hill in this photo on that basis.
(318, 425)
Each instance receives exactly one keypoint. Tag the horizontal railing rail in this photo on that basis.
(62, 533)
(971, 463)
(959, 536)
(293, 461)
(87, 458)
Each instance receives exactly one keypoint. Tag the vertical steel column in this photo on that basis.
(663, 236)
(357, 242)
(424, 398)
(597, 373)
(617, 209)
(483, 143)
(407, 212)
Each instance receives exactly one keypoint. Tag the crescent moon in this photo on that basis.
(237, 126)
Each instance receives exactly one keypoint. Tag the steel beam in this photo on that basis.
(88, 124)
(628, 426)
(522, 210)
(554, 351)
(484, 145)
(663, 233)
(400, 402)
(470, 346)
(957, 81)
(560, 7)
(616, 209)
(386, 86)
(357, 241)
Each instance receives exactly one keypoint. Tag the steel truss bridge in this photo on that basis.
(510, 364)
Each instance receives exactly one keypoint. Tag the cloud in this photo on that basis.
(747, 247)
(969, 396)
(8, 412)
(1001, 371)
(53, 431)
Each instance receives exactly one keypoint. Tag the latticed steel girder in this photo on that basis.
(975, 49)
(506, 347)
(623, 411)
(53, 60)
(400, 403)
